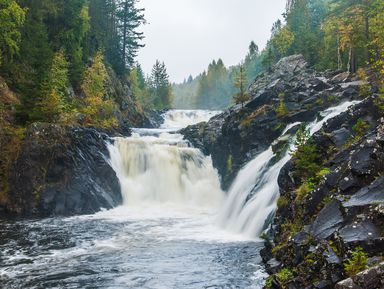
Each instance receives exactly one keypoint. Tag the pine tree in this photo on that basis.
(160, 87)
(241, 84)
(129, 18)
(54, 99)
(12, 17)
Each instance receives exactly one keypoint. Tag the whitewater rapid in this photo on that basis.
(164, 235)
(252, 197)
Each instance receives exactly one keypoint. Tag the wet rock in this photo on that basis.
(331, 257)
(350, 92)
(359, 232)
(301, 238)
(372, 278)
(370, 195)
(63, 171)
(328, 221)
(340, 136)
(324, 284)
(361, 162)
(274, 265)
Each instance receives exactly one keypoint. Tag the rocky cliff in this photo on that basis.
(62, 171)
(238, 134)
(325, 229)
(49, 169)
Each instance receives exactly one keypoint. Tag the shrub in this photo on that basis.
(365, 89)
(284, 276)
(359, 130)
(357, 263)
(282, 202)
(97, 110)
(306, 157)
(269, 282)
(281, 110)
(304, 190)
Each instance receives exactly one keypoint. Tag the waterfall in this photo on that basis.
(252, 197)
(156, 166)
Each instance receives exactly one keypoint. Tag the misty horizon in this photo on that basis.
(187, 35)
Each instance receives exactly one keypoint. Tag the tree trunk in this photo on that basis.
(339, 60)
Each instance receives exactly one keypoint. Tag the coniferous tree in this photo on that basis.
(54, 96)
(12, 17)
(96, 108)
(242, 95)
(129, 18)
(160, 87)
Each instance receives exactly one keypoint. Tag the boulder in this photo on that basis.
(372, 278)
(370, 195)
(63, 171)
(328, 221)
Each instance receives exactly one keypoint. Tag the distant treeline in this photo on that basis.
(331, 34)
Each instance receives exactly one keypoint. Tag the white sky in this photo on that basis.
(188, 34)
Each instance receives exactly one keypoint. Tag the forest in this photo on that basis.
(265, 174)
(330, 34)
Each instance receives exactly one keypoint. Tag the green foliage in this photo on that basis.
(12, 17)
(304, 189)
(229, 163)
(269, 282)
(97, 110)
(284, 276)
(357, 263)
(305, 158)
(54, 99)
(359, 130)
(241, 84)
(160, 87)
(365, 89)
(281, 110)
(282, 202)
(215, 87)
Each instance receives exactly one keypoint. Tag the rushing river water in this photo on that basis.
(163, 236)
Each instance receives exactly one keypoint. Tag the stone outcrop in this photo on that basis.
(372, 278)
(238, 134)
(62, 171)
(314, 235)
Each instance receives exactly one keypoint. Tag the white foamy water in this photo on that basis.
(252, 198)
(163, 236)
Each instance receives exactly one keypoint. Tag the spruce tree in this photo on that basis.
(54, 96)
(241, 84)
(160, 86)
(12, 17)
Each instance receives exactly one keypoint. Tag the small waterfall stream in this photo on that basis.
(253, 195)
(156, 166)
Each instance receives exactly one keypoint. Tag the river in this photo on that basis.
(165, 234)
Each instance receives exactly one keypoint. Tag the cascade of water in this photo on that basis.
(253, 195)
(157, 166)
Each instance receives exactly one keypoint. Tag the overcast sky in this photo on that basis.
(188, 34)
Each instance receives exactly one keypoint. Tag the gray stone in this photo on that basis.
(328, 221)
(373, 194)
(363, 231)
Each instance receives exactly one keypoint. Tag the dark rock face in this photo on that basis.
(63, 171)
(315, 235)
(345, 210)
(372, 278)
(238, 134)
(328, 221)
